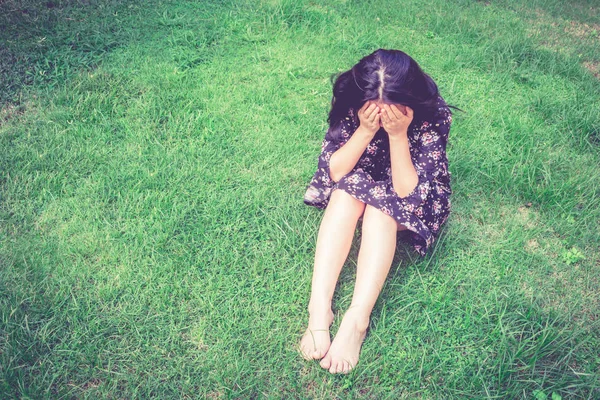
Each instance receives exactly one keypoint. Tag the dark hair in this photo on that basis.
(388, 75)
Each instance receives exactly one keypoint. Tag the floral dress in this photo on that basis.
(426, 208)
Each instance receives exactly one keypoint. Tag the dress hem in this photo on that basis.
(420, 248)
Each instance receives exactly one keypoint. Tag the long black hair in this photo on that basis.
(388, 75)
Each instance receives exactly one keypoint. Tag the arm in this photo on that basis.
(413, 174)
(346, 157)
(404, 174)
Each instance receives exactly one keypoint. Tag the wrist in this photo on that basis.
(364, 132)
(400, 136)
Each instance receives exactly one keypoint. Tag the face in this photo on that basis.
(380, 104)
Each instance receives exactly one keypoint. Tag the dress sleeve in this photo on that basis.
(428, 154)
(320, 187)
(329, 146)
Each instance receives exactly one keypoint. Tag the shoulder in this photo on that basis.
(440, 116)
(341, 127)
(352, 116)
(434, 116)
(434, 127)
(442, 112)
(351, 120)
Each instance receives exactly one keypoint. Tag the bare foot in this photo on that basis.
(316, 341)
(343, 353)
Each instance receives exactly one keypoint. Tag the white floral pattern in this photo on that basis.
(426, 208)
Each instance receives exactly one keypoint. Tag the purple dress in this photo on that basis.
(426, 208)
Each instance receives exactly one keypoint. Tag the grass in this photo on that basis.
(153, 239)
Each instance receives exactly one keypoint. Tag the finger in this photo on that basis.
(372, 112)
(368, 105)
(399, 114)
(385, 117)
(402, 108)
(390, 113)
(409, 112)
(363, 109)
(364, 106)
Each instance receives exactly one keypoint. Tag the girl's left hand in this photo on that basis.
(394, 121)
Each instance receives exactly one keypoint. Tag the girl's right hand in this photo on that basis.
(369, 118)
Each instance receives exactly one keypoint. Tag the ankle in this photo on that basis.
(360, 317)
(319, 307)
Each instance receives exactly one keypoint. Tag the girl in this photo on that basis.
(383, 159)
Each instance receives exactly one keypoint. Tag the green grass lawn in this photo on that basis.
(153, 239)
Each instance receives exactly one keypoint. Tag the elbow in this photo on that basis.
(333, 171)
(402, 193)
(406, 189)
(335, 177)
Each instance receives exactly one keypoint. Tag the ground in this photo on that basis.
(153, 238)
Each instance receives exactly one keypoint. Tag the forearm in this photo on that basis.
(346, 157)
(404, 175)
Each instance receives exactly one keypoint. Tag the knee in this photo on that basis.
(374, 216)
(343, 201)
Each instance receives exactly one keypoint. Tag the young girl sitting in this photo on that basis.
(383, 159)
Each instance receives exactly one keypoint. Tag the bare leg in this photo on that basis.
(375, 258)
(333, 245)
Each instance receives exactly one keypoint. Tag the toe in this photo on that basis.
(340, 367)
(326, 362)
(333, 369)
(304, 355)
(346, 367)
(306, 352)
(351, 365)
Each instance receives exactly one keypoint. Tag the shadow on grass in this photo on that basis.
(46, 42)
